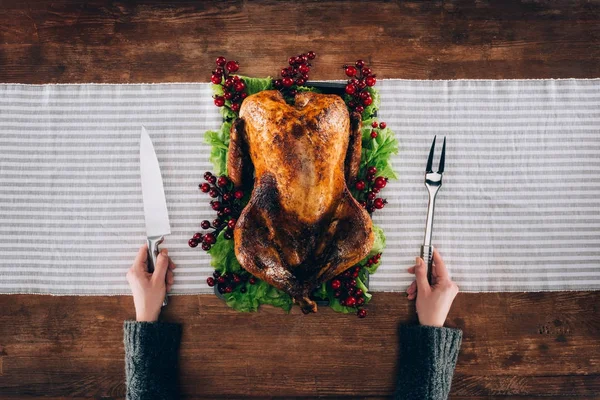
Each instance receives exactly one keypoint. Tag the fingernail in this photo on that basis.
(164, 252)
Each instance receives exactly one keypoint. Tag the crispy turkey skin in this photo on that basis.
(301, 226)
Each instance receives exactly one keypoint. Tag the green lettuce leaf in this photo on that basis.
(223, 255)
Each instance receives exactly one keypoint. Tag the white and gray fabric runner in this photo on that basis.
(519, 209)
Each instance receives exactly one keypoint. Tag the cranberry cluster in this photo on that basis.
(361, 77)
(295, 74)
(344, 288)
(227, 283)
(375, 125)
(369, 188)
(228, 206)
(233, 86)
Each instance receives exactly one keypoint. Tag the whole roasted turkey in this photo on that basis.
(301, 226)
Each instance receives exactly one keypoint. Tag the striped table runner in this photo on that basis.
(519, 209)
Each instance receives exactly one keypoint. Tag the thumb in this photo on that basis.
(162, 264)
(421, 275)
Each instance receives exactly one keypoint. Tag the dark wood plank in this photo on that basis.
(523, 344)
(515, 346)
(160, 41)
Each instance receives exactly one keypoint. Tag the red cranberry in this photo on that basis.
(222, 181)
(238, 194)
(371, 170)
(359, 109)
(359, 63)
(231, 223)
(304, 69)
(379, 203)
(359, 293)
(366, 71)
(278, 83)
(239, 86)
(243, 95)
(219, 101)
(350, 89)
(216, 274)
(292, 60)
(351, 71)
(337, 293)
(368, 101)
(205, 224)
(300, 81)
(221, 279)
(221, 61)
(370, 81)
(287, 82)
(252, 280)
(213, 193)
(216, 79)
(210, 281)
(192, 243)
(228, 95)
(352, 283)
(212, 179)
(228, 289)
(311, 55)
(227, 197)
(362, 313)
(360, 301)
(380, 182)
(227, 211)
(197, 236)
(210, 238)
(350, 302)
(207, 175)
(360, 185)
(336, 284)
(371, 196)
(382, 125)
(232, 66)
(217, 222)
(205, 187)
(206, 246)
(373, 134)
(228, 235)
(235, 107)
(374, 124)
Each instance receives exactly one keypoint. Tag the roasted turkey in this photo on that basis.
(301, 226)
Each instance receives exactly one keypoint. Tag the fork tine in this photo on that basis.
(442, 158)
(429, 167)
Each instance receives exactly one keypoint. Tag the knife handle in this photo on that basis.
(153, 251)
(427, 256)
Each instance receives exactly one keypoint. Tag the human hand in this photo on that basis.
(433, 301)
(149, 289)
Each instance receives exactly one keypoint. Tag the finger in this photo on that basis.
(169, 288)
(171, 264)
(411, 270)
(170, 277)
(421, 275)
(412, 288)
(439, 267)
(141, 258)
(412, 296)
(160, 269)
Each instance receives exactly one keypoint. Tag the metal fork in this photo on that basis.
(433, 183)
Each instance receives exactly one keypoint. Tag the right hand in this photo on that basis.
(433, 301)
(149, 289)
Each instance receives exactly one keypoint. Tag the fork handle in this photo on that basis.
(427, 256)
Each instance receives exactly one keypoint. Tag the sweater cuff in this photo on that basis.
(151, 357)
(428, 358)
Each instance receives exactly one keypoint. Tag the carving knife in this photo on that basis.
(155, 204)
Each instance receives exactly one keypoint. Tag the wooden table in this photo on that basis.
(515, 345)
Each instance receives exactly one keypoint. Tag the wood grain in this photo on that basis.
(515, 345)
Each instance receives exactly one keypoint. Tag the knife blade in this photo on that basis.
(155, 204)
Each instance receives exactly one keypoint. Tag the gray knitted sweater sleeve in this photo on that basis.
(151, 354)
(427, 360)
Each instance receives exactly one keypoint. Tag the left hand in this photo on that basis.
(149, 289)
